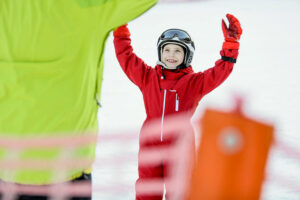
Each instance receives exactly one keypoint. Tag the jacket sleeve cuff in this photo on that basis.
(122, 31)
(231, 45)
(230, 53)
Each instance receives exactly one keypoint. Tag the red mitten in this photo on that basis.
(232, 33)
(122, 31)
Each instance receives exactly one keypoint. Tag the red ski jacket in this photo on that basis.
(179, 91)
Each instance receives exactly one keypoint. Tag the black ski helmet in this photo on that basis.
(179, 37)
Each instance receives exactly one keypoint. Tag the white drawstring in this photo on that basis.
(163, 115)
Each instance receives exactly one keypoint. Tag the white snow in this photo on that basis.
(266, 75)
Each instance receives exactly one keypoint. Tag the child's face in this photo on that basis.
(172, 55)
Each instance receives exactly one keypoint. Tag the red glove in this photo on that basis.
(122, 31)
(232, 33)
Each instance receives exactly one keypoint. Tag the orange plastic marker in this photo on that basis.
(231, 157)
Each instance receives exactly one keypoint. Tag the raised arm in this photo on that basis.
(132, 65)
(213, 77)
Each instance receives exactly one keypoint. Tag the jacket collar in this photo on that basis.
(172, 74)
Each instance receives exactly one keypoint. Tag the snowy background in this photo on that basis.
(266, 75)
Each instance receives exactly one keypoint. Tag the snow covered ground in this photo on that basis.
(266, 75)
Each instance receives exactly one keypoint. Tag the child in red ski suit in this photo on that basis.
(172, 86)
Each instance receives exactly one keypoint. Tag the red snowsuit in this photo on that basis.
(180, 91)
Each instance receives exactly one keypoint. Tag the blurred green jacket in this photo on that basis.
(51, 67)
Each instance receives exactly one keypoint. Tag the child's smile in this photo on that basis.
(171, 61)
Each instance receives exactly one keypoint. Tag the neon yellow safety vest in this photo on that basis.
(51, 64)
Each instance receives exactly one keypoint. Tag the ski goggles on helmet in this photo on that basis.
(172, 33)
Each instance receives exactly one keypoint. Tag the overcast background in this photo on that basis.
(266, 75)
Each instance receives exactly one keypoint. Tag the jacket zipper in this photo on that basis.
(163, 116)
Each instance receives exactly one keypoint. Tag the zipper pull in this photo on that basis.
(177, 103)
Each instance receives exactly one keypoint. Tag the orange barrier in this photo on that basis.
(231, 157)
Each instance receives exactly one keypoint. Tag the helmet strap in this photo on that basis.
(162, 73)
(181, 66)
